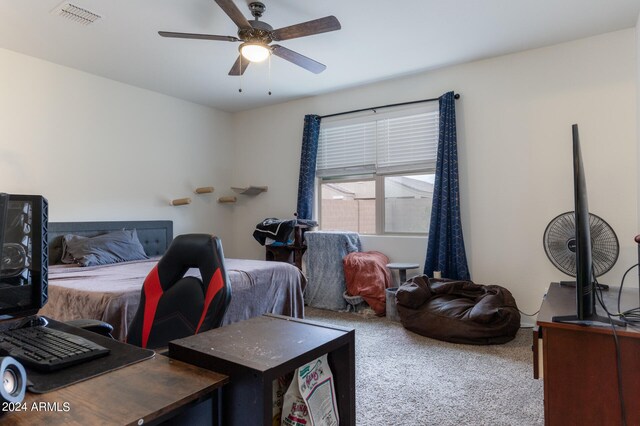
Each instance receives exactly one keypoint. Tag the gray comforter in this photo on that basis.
(325, 251)
(111, 293)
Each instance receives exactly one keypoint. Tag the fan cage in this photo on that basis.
(559, 244)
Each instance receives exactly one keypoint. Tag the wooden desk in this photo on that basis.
(256, 351)
(147, 392)
(579, 363)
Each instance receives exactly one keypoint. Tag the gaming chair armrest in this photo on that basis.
(94, 325)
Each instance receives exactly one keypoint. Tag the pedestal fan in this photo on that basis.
(560, 245)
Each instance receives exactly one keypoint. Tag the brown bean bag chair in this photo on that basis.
(366, 275)
(458, 311)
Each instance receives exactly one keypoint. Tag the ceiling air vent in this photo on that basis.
(75, 13)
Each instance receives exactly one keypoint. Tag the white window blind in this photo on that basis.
(348, 149)
(399, 139)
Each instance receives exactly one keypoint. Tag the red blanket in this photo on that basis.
(366, 275)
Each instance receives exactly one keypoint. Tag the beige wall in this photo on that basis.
(514, 127)
(102, 150)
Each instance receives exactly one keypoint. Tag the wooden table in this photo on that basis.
(147, 392)
(579, 363)
(255, 352)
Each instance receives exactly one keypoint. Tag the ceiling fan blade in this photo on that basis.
(298, 59)
(234, 13)
(198, 36)
(239, 67)
(317, 26)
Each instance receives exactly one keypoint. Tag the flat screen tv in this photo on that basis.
(585, 285)
(23, 254)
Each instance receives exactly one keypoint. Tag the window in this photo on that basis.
(349, 206)
(407, 203)
(376, 171)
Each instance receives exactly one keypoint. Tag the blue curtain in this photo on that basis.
(308, 156)
(445, 248)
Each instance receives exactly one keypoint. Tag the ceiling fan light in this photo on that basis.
(254, 52)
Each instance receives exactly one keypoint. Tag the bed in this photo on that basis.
(111, 292)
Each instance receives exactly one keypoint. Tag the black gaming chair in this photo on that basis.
(174, 306)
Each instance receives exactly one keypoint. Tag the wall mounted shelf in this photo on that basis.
(227, 200)
(204, 190)
(250, 190)
(181, 201)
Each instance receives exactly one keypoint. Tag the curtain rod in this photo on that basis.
(456, 96)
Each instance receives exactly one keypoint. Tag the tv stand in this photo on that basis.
(579, 364)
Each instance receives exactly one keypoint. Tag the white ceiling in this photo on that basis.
(378, 40)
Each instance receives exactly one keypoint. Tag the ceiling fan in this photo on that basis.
(257, 35)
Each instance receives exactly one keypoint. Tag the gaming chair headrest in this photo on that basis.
(174, 306)
(187, 251)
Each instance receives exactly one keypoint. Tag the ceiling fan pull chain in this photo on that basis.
(240, 89)
(269, 74)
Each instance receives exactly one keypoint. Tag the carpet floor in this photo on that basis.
(403, 378)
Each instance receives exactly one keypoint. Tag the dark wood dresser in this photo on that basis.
(579, 363)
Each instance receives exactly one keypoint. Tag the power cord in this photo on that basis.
(623, 414)
(630, 316)
(528, 315)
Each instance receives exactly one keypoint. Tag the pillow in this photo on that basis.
(114, 247)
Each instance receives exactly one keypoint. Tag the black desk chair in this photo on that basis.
(173, 306)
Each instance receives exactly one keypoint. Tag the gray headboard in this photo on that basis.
(155, 235)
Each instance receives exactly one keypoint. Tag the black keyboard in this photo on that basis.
(46, 349)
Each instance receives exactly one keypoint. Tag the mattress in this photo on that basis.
(111, 293)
